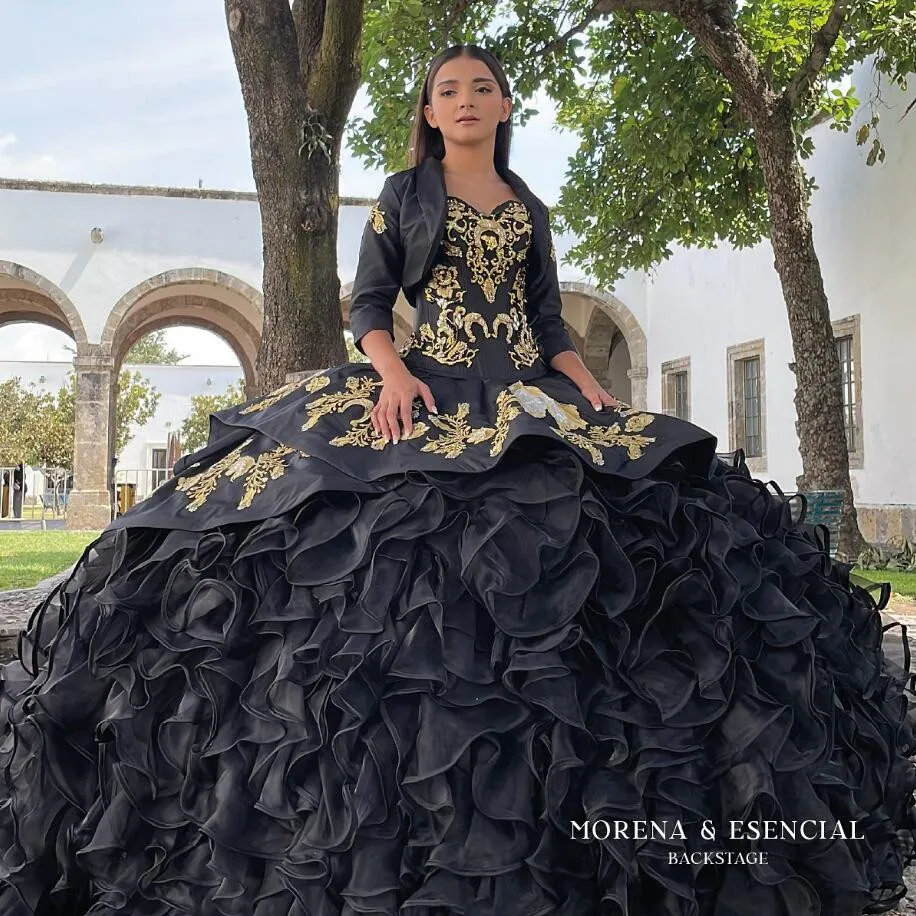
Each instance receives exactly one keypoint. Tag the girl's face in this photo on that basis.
(466, 103)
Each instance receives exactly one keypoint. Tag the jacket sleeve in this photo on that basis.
(379, 270)
(545, 305)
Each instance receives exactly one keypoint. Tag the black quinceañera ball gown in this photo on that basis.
(318, 674)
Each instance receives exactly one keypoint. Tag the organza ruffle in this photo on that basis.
(402, 701)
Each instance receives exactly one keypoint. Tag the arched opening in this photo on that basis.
(40, 334)
(610, 339)
(27, 296)
(206, 299)
(204, 361)
(607, 354)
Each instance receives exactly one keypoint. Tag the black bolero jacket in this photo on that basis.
(414, 201)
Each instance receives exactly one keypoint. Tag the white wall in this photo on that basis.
(144, 235)
(702, 302)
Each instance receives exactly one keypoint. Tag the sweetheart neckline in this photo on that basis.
(511, 200)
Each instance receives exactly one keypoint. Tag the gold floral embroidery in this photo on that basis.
(360, 433)
(524, 351)
(257, 471)
(491, 243)
(443, 344)
(377, 218)
(507, 409)
(444, 284)
(311, 384)
(569, 421)
(458, 433)
(356, 393)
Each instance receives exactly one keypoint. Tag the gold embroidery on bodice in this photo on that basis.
(490, 245)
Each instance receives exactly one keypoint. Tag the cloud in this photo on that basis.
(35, 165)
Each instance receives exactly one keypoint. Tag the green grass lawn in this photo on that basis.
(27, 557)
(903, 583)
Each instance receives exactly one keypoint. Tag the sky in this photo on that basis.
(122, 92)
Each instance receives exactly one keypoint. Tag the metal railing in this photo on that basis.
(135, 484)
(29, 494)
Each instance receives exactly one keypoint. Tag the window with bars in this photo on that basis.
(681, 395)
(676, 388)
(844, 346)
(159, 468)
(749, 406)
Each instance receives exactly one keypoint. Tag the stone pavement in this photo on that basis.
(16, 606)
(33, 524)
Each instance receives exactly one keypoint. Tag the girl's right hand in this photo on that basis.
(395, 402)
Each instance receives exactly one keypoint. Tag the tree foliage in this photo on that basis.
(665, 156)
(38, 427)
(195, 429)
(154, 350)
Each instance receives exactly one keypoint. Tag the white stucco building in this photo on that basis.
(705, 334)
(143, 462)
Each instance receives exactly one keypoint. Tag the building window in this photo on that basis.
(747, 402)
(848, 371)
(159, 469)
(846, 333)
(749, 431)
(676, 388)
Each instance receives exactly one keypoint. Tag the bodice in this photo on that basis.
(471, 314)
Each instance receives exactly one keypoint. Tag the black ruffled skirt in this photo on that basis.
(541, 688)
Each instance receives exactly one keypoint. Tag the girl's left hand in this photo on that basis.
(597, 395)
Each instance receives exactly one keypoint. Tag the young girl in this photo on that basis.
(455, 632)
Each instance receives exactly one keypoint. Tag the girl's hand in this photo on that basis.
(395, 400)
(597, 395)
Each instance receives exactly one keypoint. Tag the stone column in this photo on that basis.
(89, 506)
(639, 386)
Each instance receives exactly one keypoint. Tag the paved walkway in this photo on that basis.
(32, 524)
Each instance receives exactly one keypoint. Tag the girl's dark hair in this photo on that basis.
(426, 141)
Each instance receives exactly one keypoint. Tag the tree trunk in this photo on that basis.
(299, 71)
(818, 391)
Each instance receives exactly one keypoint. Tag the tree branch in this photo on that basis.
(598, 9)
(603, 7)
(328, 38)
(824, 40)
(338, 62)
(308, 15)
(713, 26)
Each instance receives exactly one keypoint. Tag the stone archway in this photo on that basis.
(195, 297)
(198, 297)
(27, 296)
(614, 345)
